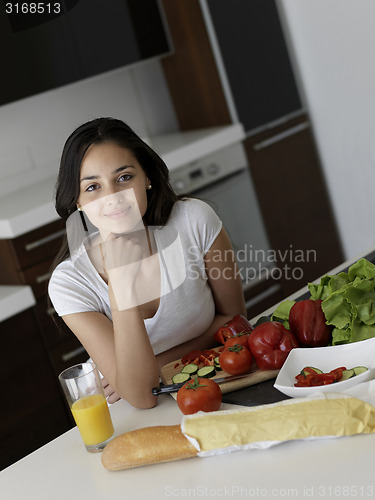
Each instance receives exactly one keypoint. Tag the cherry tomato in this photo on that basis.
(241, 339)
(236, 359)
(202, 394)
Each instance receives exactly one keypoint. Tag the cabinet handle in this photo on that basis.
(72, 354)
(50, 311)
(43, 277)
(281, 136)
(42, 241)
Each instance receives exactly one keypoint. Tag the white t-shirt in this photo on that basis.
(186, 306)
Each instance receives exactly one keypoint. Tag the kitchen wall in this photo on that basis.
(333, 42)
(33, 130)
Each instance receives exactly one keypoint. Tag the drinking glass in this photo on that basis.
(84, 393)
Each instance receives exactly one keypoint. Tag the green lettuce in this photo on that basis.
(281, 313)
(348, 302)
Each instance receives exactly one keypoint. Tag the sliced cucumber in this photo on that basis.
(180, 378)
(217, 364)
(359, 369)
(347, 374)
(305, 373)
(316, 370)
(191, 369)
(206, 372)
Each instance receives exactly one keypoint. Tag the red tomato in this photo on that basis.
(241, 339)
(270, 344)
(202, 394)
(236, 359)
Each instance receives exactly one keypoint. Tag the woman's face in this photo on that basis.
(112, 189)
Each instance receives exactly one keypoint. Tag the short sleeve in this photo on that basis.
(205, 223)
(69, 294)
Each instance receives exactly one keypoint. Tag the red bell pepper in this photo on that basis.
(308, 323)
(270, 344)
(310, 378)
(238, 324)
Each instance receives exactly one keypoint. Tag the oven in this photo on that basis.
(223, 180)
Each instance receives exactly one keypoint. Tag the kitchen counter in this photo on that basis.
(32, 206)
(14, 299)
(327, 468)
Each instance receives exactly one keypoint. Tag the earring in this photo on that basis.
(149, 187)
(79, 209)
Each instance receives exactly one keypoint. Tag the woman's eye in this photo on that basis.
(92, 187)
(125, 177)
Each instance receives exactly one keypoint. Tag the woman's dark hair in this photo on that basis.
(160, 199)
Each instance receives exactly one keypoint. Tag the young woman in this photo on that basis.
(155, 279)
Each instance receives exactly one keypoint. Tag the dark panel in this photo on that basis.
(41, 51)
(255, 56)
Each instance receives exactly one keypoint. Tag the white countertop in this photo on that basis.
(180, 148)
(14, 299)
(32, 206)
(326, 468)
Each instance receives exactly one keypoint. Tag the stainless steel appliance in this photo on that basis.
(223, 180)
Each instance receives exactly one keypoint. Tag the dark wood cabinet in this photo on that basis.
(294, 202)
(33, 411)
(27, 260)
(191, 72)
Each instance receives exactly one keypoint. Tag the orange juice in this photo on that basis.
(92, 417)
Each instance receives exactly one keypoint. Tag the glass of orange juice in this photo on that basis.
(84, 392)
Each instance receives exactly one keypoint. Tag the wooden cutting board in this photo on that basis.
(255, 376)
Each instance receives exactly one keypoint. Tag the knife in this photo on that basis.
(160, 389)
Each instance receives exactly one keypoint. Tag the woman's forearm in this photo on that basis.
(136, 370)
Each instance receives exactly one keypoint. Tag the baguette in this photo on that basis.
(149, 445)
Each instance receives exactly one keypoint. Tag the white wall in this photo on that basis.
(33, 130)
(334, 42)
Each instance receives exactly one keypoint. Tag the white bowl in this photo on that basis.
(326, 358)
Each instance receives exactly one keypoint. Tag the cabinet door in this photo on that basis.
(294, 202)
(255, 59)
(190, 71)
(34, 411)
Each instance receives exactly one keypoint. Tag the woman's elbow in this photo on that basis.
(143, 403)
(140, 398)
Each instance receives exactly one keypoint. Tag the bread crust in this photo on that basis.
(145, 446)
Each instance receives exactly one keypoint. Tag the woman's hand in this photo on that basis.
(122, 254)
(109, 393)
(122, 260)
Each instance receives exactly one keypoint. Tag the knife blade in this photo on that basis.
(162, 389)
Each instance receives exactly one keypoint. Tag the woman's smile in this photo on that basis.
(118, 214)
